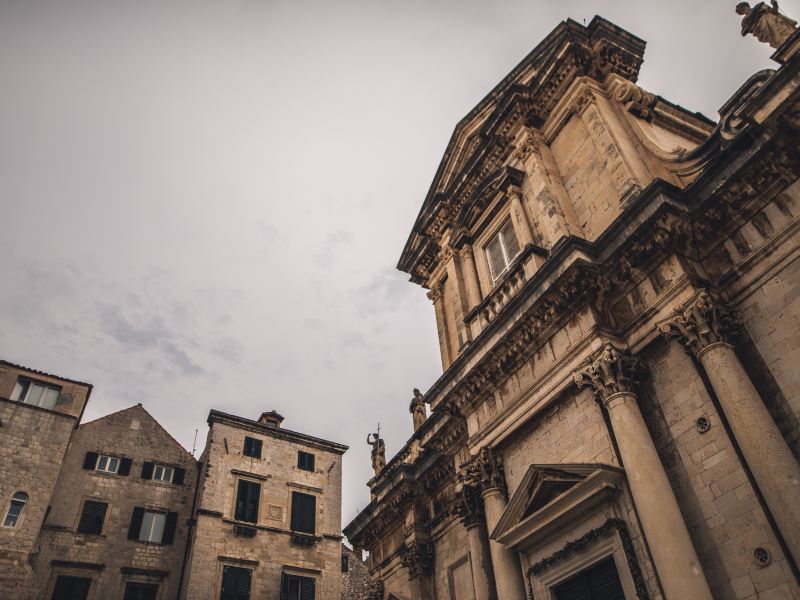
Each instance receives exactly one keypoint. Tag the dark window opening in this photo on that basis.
(252, 447)
(247, 498)
(235, 583)
(141, 591)
(598, 582)
(71, 588)
(92, 517)
(305, 461)
(304, 513)
(345, 563)
(294, 587)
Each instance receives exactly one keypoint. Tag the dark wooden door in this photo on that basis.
(598, 582)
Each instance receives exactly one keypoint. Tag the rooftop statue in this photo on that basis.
(417, 409)
(766, 23)
(378, 451)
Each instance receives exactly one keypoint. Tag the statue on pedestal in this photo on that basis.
(378, 451)
(766, 23)
(417, 409)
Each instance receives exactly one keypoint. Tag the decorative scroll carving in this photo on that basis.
(636, 100)
(485, 471)
(417, 557)
(766, 23)
(700, 322)
(586, 539)
(468, 505)
(610, 371)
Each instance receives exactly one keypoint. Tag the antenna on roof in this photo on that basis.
(194, 443)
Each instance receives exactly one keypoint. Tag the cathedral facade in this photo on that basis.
(616, 283)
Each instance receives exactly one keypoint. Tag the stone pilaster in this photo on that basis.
(613, 374)
(519, 218)
(470, 272)
(705, 327)
(435, 296)
(485, 472)
(469, 508)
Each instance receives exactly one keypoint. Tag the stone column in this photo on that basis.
(471, 284)
(485, 471)
(704, 327)
(468, 507)
(612, 375)
(519, 218)
(435, 296)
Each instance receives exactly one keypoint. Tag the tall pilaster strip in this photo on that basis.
(469, 507)
(613, 374)
(705, 326)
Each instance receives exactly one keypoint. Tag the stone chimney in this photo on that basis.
(270, 419)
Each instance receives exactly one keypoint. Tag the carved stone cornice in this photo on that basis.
(636, 100)
(700, 322)
(485, 471)
(610, 371)
(468, 506)
(417, 557)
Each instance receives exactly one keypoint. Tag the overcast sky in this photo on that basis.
(202, 203)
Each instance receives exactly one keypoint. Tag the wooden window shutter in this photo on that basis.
(247, 500)
(169, 528)
(90, 461)
(284, 586)
(125, 467)
(92, 517)
(304, 509)
(179, 476)
(306, 588)
(147, 470)
(136, 523)
(235, 583)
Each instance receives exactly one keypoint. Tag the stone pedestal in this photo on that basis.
(612, 375)
(507, 569)
(702, 325)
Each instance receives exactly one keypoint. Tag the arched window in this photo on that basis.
(18, 502)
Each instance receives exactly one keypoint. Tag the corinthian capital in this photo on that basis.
(485, 471)
(468, 505)
(609, 371)
(700, 322)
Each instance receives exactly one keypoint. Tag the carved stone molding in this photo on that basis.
(610, 371)
(700, 322)
(468, 506)
(485, 471)
(636, 100)
(417, 557)
(466, 253)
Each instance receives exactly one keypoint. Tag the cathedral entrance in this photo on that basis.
(598, 582)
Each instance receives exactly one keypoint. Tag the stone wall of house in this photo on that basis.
(33, 442)
(110, 559)
(270, 551)
(355, 575)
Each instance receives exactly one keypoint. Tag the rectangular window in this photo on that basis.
(92, 517)
(305, 461)
(235, 583)
(304, 513)
(501, 250)
(71, 588)
(33, 392)
(252, 447)
(294, 587)
(598, 582)
(152, 526)
(141, 591)
(247, 498)
(162, 473)
(107, 464)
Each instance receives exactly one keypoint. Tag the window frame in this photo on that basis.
(164, 469)
(505, 224)
(239, 482)
(83, 510)
(108, 462)
(16, 500)
(156, 512)
(292, 512)
(256, 444)
(25, 384)
(301, 454)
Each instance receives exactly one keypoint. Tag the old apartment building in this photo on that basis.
(117, 509)
(616, 283)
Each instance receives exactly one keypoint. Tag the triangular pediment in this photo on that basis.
(549, 494)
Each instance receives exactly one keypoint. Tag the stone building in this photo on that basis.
(268, 513)
(616, 286)
(356, 579)
(38, 414)
(117, 525)
(117, 509)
